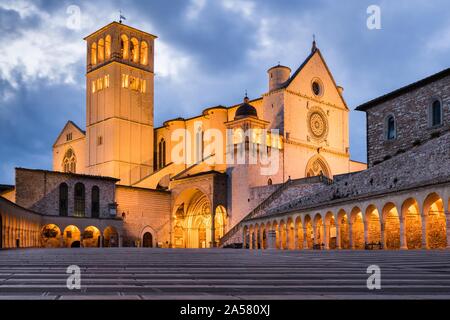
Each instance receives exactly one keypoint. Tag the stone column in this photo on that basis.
(424, 231)
(366, 232)
(271, 239)
(81, 240)
(244, 238)
(286, 234)
(382, 237)
(61, 241)
(403, 244)
(338, 236)
(251, 240)
(101, 241)
(120, 241)
(305, 239)
(350, 235)
(326, 240)
(295, 237)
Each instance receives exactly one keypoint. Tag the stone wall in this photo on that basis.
(38, 190)
(144, 210)
(411, 113)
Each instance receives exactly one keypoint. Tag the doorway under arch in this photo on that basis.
(147, 240)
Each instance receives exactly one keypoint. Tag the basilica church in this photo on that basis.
(120, 181)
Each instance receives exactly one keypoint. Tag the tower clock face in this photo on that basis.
(318, 124)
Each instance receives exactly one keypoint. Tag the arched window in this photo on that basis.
(124, 45)
(63, 200)
(80, 200)
(108, 47)
(95, 202)
(269, 182)
(436, 113)
(391, 130)
(162, 154)
(101, 50)
(135, 50)
(94, 53)
(69, 162)
(317, 166)
(144, 53)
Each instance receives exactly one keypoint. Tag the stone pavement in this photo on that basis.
(132, 273)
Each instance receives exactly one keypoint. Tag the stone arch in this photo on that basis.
(331, 236)
(101, 50)
(309, 232)
(283, 242)
(391, 222)
(263, 233)
(245, 239)
(91, 237)
(373, 224)
(357, 221)
(71, 237)
(148, 230)
(317, 166)
(108, 47)
(275, 227)
(344, 230)
(50, 236)
(94, 53)
(299, 232)
(192, 211)
(318, 230)
(290, 234)
(110, 237)
(144, 53)
(134, 49)
(434, 217)
(220, 222)
(410, 214)
(124, 46)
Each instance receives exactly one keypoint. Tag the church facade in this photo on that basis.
(270, 172)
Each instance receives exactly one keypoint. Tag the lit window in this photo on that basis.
(69, 161)
(107, 81)
(93, 87)
(125, 80)
(99, 140)
(144, 53)
(69, 136)
(143, 86)
(99, 84)
(124, 46)
(135, 50)
(108, 47)
(94, 53)
(101, 50)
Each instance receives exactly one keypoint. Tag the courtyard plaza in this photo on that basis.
(143, 273)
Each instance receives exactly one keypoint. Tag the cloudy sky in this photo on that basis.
(208, 53)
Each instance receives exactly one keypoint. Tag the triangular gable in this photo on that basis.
(69, 127)
(315, 65)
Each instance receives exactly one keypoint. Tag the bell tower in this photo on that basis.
(119, 106)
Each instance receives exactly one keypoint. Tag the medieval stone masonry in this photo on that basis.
(277, 173)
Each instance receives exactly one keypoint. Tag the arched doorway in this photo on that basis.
(356, 218)
(110, 237)
(391, 226)
(435, 220)
(91, 237)
(220, 222)
(193, 223)
(344, 230)
(50, 236)
(373, 224)
(72, 236)
(147, 240)
(413, 223)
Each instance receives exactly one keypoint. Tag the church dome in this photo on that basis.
(245, 110)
